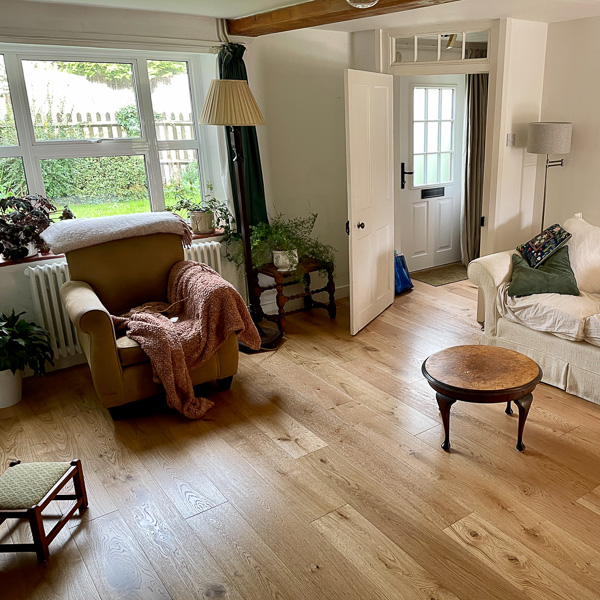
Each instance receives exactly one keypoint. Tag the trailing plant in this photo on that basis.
(286, 235)
(23, 344)
(22, 220)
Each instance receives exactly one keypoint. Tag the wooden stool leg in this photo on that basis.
(39, 536)
(445, 404)
(79, 484)
(524, 405)
(308, 301)
(331, 308)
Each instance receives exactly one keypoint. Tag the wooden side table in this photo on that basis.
(282, 279)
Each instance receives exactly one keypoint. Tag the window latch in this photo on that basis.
(403, 174)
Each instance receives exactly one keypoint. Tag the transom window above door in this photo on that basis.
(433, 114)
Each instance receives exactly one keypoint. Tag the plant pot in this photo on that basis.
(285, 260)
(32, 250)
(202, 221)
(10, 388)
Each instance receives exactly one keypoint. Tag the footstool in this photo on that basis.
(25, 491)
(482, 374)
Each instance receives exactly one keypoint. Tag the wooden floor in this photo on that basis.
(319, 475)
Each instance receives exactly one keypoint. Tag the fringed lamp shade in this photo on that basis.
(230, 102)
(549, 138)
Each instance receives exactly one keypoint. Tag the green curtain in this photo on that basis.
(231, 66)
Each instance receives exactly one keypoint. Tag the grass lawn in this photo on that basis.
(85, 211)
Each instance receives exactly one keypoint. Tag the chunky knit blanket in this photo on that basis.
(178, 337)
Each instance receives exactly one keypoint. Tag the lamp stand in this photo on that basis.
(549, 163)
(269, 337)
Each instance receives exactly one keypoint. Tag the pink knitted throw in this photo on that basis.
(178, 337)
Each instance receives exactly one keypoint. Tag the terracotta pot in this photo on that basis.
(10, 388)
(202, 221)
(285, 260)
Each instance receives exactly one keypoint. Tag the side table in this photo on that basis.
(282, 279)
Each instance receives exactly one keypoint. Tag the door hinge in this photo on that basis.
(347, 227)
(482, 223)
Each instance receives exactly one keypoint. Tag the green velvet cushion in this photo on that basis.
(554, 276)
(24, 485)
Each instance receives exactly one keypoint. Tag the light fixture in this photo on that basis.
(362, 3)
(230, 102)
(549, 138)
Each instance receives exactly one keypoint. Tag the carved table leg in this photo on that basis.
(331, 308)
(509, 410)
(523, 404)
(445, 404)
(308, 301)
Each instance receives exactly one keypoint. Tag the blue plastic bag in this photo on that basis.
(403, 281)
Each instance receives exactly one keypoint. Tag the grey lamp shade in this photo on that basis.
(230, 102)
(549, 138)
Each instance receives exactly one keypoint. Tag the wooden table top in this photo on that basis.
(481, 369)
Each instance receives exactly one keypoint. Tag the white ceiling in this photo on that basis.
(464, 10)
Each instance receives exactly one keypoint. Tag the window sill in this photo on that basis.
(32, 259)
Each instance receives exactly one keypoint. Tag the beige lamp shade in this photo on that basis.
(549, 138)
(230, 102)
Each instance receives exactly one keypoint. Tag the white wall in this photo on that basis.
(298, 80)
(571, 92)
(513, 216)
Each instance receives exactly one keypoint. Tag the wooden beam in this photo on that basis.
(317, 12)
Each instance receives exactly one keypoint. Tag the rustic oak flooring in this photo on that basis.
(319, 475)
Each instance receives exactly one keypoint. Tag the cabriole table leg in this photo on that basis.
(523, 404)
(445, 404)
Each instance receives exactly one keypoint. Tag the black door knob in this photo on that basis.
(360, 225)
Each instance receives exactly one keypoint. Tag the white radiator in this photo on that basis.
(46, 280)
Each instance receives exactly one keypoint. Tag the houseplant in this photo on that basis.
(22, 220)
(292, 240)
(22, 344)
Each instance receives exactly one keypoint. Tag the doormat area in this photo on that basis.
(442, 275)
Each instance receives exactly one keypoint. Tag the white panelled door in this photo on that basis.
(369, 158)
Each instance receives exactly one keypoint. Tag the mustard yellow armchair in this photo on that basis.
(112, 278)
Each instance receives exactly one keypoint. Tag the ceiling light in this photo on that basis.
(362, 3)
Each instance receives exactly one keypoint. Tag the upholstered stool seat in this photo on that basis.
(26, 489)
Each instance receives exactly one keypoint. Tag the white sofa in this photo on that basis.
(570, 362)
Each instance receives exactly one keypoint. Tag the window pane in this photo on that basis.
(419, 170)
(427, 48)
(98, 186)
(419, 137)
(405, 50)
(12, 177)
(81, 100)
(446, 136)
(432, 168)
(8, 131)
(447, 103)
(433, 103)
(445, 167)
(476, 44)
(180, 176)
(171, 100)
(419, 104)
(433, 136)
(451, 46)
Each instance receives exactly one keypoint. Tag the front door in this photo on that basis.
(431, 129)
(369, 161)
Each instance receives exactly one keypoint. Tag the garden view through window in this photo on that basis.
(106, 137)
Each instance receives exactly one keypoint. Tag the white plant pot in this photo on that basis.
(202, 222)
(10, 388)
(285, 260)
(32, 250)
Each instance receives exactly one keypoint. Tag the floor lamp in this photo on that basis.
(230, 102)
(549, 138)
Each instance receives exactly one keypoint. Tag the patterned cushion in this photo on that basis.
(24, 485)
(543, 245)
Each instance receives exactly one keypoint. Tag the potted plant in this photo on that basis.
(285, 242)
(22, 220)
(22, 344)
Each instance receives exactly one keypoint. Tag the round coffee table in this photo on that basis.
(483, 374)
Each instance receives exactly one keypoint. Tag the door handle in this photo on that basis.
(360, 225)
(403, 174)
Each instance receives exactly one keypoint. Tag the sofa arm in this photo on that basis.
(488, 274)
(97, 338)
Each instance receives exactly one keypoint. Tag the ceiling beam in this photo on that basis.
(317, 12)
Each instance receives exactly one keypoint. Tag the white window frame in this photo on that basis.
(440, 121)
(33, 152)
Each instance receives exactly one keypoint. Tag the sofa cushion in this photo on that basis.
(592, 330)
(584, 252)
(544, 245)
(553, 277)
(561, 315)
(130, 352)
